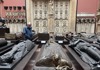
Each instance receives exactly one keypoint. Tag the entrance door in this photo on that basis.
(51, 15)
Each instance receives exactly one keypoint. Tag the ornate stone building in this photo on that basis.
(57, 16)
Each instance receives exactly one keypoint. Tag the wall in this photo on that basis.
(13, 17)
(87, 9)
(84, 6)
(12, 3)
(88, 6)
(71, 18)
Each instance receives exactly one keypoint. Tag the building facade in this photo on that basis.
(14, 14)
(57, 16)
(86, 16)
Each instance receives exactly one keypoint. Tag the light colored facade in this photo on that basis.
(59, 16)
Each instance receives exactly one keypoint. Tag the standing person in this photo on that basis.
(27, 31)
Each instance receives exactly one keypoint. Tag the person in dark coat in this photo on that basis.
(27, 31)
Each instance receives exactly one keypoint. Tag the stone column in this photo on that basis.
(72, 15)
(28, 10)
(32, 17)
(51, 23)
(51, 16)
(98, 19)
